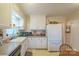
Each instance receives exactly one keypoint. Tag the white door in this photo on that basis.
(54, 33)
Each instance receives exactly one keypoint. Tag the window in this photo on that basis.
(16, 24)
(17, 20)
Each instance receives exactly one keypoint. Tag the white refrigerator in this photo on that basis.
(54, 35)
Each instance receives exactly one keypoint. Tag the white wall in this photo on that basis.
(5, 13)
(27, 23)
(73, 20)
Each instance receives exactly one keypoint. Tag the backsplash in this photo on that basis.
(24, 33)
(38, 32)
(33, 33)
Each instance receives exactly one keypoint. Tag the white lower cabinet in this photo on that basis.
(23, 48)
(37, 42)
(29, 42)
(26, 44)
(33, 43)
(44, 43)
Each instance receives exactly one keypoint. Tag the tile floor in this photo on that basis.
(36, 52)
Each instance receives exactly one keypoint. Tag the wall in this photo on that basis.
(5, 14)
(73, 20)
(27, 23)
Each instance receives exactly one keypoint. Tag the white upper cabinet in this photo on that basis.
(5, 14)
(37, 22)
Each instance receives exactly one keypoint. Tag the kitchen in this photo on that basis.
(27, 31)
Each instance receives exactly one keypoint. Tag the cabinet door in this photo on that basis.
(23, 48)
(29, 42)
(38, 42)
(33, 42)
(44, 43)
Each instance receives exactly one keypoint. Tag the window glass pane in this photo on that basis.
(11, 31)
(18, 21)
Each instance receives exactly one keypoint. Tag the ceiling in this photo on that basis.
(49, 9)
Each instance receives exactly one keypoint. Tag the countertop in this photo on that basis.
(19, 39)
(36, 36)
(7, 48)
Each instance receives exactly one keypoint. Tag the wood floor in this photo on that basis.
(36, 52)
